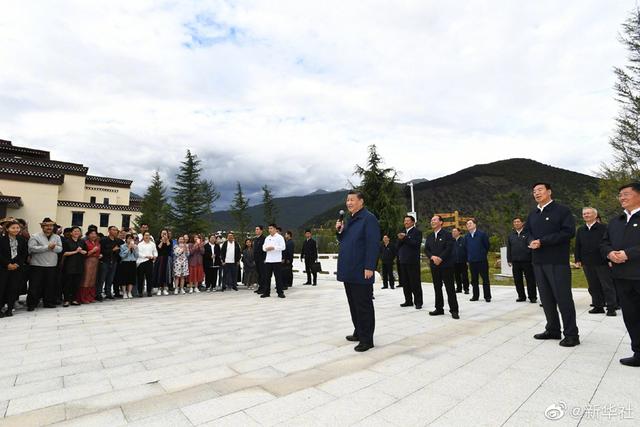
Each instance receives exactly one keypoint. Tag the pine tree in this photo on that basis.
(155, 209)
(193, 197)
(270, 208)
(382, 193)
(238, 209)
(626, 138)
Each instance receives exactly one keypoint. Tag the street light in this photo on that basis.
(413, 206)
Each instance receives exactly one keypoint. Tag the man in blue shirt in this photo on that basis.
(357, 258)
(477, 245)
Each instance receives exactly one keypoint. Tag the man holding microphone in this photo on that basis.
(357, 258)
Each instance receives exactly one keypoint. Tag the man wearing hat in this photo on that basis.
(44, 248)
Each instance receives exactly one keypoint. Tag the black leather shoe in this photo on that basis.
(458, 291)
(49, 306)
(466, 292)
(264, 296)
(533, 301)
(596, 310)
(363, 347)
(384, 287)
(406, 304)
(631, 361)
(474, 299)
(8, 313)
(521, 299)
(611, 312)
(30, 308)
(281, 296)
(546, 335)
(436, 313)
(487, 299)
(315, 284)
(352, 338)
(418, 307)
(455, 315)
(570, 342)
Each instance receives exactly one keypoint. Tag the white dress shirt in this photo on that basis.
(145, 250)
(279, 245)
(632, 213)
(230, 257)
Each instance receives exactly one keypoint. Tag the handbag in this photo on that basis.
(316, 267)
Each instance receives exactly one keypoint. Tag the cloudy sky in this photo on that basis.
(291, 93)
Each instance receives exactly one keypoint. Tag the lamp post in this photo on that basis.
(413, 206)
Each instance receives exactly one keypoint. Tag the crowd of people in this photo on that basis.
(64, 267)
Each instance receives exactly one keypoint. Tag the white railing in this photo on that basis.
(329, 263)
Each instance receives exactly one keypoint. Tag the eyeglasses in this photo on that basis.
(625, 195)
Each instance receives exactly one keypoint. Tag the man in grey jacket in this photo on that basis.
(44, 248)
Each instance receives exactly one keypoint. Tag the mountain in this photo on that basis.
(491, 192)
(293, 212)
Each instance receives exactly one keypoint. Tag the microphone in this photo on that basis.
(341, 217)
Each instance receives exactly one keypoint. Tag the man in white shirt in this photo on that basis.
(274, 245)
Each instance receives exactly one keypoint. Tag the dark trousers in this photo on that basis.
(480, 269)
(601, 287)
(525, 269)
(71, 286)
(144, 274)
(275, 269)
(308, 266)
(42, 285)
(444, 276)
(411, 284)
(629, 294)
(211, 276)
(261, 275)
(461, 274)
(230, 276)
(554, 284)
(387, 276)
(360, 298)
(10, 284)
(287, 274)
(107, 276)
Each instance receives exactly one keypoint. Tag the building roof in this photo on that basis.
(103, 180)
(85, 205)
(8, 148)
(31, 175)
(18, 161)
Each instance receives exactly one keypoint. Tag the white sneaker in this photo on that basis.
(175, 291)
(130, 295)
(159, 292)
(182, 291)
(125, 296)
(196, 290)
(190, 290)
(165, 292)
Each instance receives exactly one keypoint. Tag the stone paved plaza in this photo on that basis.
(233, 359)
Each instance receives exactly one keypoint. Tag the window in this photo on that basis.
(92, 199)
(106, 201)
(77, 218)
(104, 220)
(126, 220)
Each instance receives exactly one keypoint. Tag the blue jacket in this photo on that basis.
(459, 252)
(477, 246)
(409, 247)
(359, 248)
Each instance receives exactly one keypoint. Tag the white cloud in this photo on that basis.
(291, 93)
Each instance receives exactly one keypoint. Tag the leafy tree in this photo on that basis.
(155, 209)
(238, 208)
(270, 208)
(193, 197)
(382, 193)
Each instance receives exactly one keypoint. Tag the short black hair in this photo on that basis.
(260, 226)
(308, 230)
(473, 220)
(635, 186)
(289, 233)
(75, 227)
(111, 226)
(517, 217)
(273, 225)
(439, 217)
(144, 223)
(457, 229)
(546, 185)
(66, 230)
(410, 217)
(356, 193)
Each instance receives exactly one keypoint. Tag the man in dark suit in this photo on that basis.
(439, 247)
(211, 262)
(259, 256)
(409, 242)
(287, 260)
(387, 257)
(595, 265)
(461, 270)
(477, 245)
(359, 245)
(621, 245)
(230, 254)
(550, 227)
(519, 259)
(309, 255)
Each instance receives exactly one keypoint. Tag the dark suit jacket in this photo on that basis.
(223, 252)
(554, 227)
(287, 255)
(387, 253)
(477, 246)
(441, 247)
(211, 258)
(258, 254)
(5, 252)
(309, 251)
(409, 247)
(518, 247)
(359, 242)
(619, 236)
(588, 244)
(459, 251)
